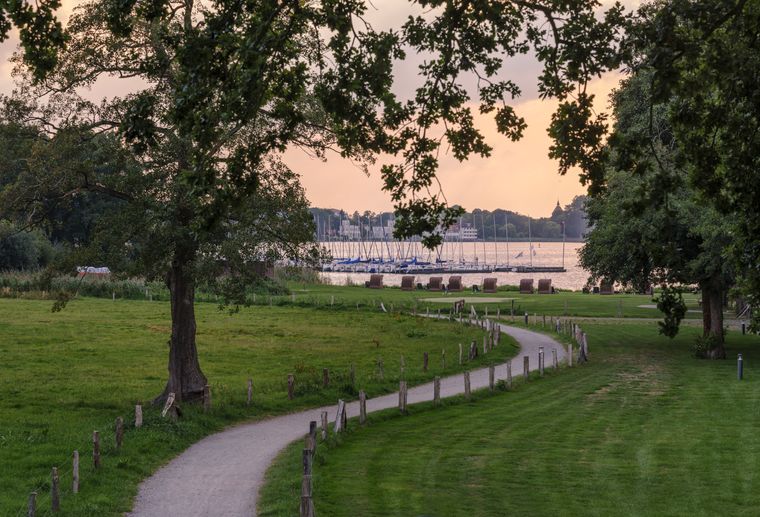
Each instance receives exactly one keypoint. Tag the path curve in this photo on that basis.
(221, 475)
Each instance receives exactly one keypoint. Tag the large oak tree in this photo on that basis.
(193, 155)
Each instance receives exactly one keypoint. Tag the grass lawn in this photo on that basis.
(559, 304)
(643, 429)
(69, 373)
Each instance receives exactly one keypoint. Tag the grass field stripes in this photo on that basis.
(559, 328)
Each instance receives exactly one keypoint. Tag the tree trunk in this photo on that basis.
(186, 380)
(706, 321)
(714, 296)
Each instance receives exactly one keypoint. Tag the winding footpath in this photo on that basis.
(221, 475)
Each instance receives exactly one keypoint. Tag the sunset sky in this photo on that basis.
(518, 176)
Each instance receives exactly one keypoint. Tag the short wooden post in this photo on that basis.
(509, 375)
(437, 390)
(339, 416)
(541, 361)
(138, 416)
(460, 353)
(31, 508)
(555, 361)
(467, 384)
(119, 431)
(249, 394)
(306, 461)
(96, 449)
(291, 385)
(380, 368)
(443, 359)
(75, 473)
(55, 496)
(362, 407)
(313, 435)
(402, 396)
(207, 398)
(402, 366)
(325, 377)
(324, 425)
(485, 345)
(569, 354)
(424, 361)
(491, 375)
(526, 367)
(307, 504)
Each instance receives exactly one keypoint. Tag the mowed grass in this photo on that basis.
(559, 304)
(643, 429)
(66, 374)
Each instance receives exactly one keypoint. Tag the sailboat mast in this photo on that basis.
(530, 243)
(506, 229)
(495, 245)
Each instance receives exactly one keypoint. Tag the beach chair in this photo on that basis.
(489, 285)
(375, 282)
(407, 283)
(605, 287)
(455, 283)
(435, 283)
(545, 286)
(526, 286)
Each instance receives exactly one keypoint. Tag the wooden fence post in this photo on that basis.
(424, 361)
(313, 435)
(509, 374)
(402, 396)
(324, 425)
(119, 431)
(291, 385)
(491, 375)
(526, 367)
(75, 473)
(307, 504)
(339, 417)
(362, 407)
(460, 353)
(96, 449)
(55, 497)
(555, 361)
(467, 384)
(325, 377)
(541, 361)
(249, 392)
(380, 368)
(485, 345)
(207, 398)
(443, 359)
(138, 416)
(402, 366)
(543, 324)
(569, 354)
(437, 390)
(31, 508)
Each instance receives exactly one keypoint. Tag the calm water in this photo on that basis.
(546, 254)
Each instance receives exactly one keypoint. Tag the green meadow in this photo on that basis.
(69, 373)
(643, 429)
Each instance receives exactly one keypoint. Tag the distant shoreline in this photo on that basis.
(516, 239)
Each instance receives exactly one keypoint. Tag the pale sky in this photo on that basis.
(518, 176)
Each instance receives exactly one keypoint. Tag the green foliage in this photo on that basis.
(704, 346)
(23, 250)
(670, 303)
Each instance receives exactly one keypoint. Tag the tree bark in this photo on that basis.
(714, 296)
(186, 380)
(706, 321)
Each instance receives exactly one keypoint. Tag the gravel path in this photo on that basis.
(221, 475)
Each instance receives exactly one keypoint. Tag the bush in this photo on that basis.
(704, 345)
(23, 250)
